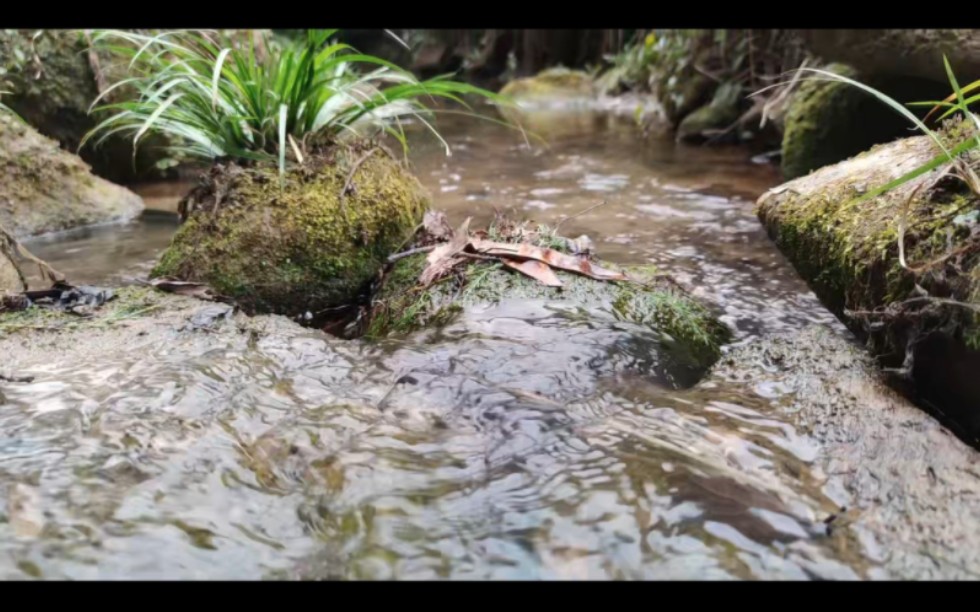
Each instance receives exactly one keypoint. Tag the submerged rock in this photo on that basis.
(312, 244)
(919, 316)
(45, 189)
(691, 334)
(906, 491)
(288, 453)
(554, 83)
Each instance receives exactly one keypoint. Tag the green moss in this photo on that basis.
(820, 126)
(401, 306)
(128, 303)
(719, 114)
(301, 247)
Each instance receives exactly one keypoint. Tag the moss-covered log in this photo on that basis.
(310, 244)
(692, 334)
(920, 315)
(45, 189)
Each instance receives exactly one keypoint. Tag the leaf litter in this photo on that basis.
(509, 243)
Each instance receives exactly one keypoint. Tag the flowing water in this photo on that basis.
(526, 440)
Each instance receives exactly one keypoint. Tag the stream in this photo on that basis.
(518, 442)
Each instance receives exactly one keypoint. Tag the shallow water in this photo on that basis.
(685, 208)
(522, 441)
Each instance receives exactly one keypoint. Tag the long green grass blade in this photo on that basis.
(283, 111)
(889, 101)
(217, 76)
(929, 166)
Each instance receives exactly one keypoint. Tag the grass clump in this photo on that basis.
(222, 98)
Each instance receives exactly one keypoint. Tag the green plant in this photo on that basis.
(950, 155)
(218, 98)
(6, 109)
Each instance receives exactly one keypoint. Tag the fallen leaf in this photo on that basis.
(551, 257)
(536, 270)
(443, 258)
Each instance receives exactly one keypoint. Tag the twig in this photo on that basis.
(37, 58)
(353, 171)
(705, 72)
(901, 226)
(410, 252)
(946, 301)
(890, 309)
(8, 244)
(579, 214)
(483, 257)
(782, 95)
(93, 62)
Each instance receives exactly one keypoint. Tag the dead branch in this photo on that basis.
(93, 62)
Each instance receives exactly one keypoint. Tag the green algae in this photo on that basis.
(403, 306)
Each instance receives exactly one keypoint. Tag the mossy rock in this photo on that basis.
(46, 189)
(848, 252)
(682, 96)
(830, 121)
(10, 279)
(560, 83)
(53, 85)
(300, 246)
(692, 334)
(719, 115)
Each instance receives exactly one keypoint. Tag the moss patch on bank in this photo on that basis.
(129, 303)
(305, 246)
(403, 306)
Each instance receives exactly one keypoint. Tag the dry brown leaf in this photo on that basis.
(551, 257)
(443, 258)
(535, 269)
